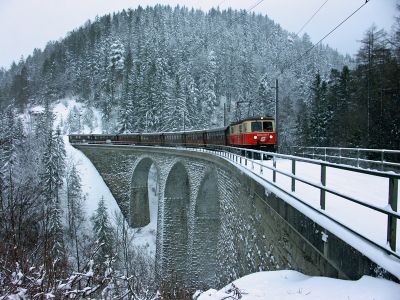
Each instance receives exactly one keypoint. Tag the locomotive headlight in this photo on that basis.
(255, 137)
(271, 136)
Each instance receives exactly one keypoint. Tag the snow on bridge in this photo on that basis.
(300, 183)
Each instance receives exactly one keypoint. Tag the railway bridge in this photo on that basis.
(219, 220)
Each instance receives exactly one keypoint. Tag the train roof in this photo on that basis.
(259, 118)
(151, 133)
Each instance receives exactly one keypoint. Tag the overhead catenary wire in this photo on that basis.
(222, 2)
(255, 5)
(249, 9)
(312, 17)
(303, 55)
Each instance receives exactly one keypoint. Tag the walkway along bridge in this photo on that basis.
(224, 212)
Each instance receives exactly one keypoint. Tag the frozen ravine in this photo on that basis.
(94, 188)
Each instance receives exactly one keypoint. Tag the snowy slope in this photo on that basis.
(288, 285)
(93, 185)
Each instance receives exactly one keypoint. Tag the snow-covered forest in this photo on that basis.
(50, 245)
(158, 68)
(162, 69)
(148, 68)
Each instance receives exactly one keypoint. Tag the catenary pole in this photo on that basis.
(277, 113)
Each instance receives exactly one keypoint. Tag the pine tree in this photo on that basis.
(75, 213)
(320, 113)
(20, 88)
(207, 92)
(103, 233)
(51, 182)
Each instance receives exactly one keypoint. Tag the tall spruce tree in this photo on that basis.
(103, 233)
(75, 212)
(320, 113)
(51, 178)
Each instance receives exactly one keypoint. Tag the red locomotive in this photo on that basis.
(255, 133)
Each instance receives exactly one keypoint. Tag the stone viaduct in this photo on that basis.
(215, 223)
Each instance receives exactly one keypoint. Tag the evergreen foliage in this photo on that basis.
(356, 107)
(165, 69)
(104, 235)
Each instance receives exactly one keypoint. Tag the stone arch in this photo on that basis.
(139, 200)
(206, 230)
(176, 215)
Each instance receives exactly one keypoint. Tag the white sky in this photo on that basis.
(29, 24)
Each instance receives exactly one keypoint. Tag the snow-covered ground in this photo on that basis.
(290, 285)
(277, 284)
(366, 188)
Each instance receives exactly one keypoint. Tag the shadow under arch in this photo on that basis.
(176, 211)
(139, 200)
(207, 225)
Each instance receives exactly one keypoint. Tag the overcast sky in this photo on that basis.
(29, 24)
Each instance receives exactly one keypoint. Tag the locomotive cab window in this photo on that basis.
(267, 126)
(256, 126)
(245, 127)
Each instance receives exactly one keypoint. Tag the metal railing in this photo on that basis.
(252, 158)
(380, 159)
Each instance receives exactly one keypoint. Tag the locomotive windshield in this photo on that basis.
(261, 126)
(267, 126)
(256, 126)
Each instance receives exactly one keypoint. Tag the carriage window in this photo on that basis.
(256, 126)
(267, 126)
(240, 128)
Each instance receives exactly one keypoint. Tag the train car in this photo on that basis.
(174, 138)
(129, 139)
(195, 138)
(216, 136)
(255, 133)
(149, 139)
(93, 138)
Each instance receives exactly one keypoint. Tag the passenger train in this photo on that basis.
(254, 133)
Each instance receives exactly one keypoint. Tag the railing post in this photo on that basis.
(274, 172)
(391, 230)
(382, 159)
(293, 173)
(358, 158)
(323, 182)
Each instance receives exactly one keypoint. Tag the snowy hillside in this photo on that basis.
(93, 185)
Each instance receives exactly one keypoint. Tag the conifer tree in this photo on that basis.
(75, 213)
(320, 116)
(103, 233)
(51, 178)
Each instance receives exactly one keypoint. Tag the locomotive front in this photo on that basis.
(255, 133)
